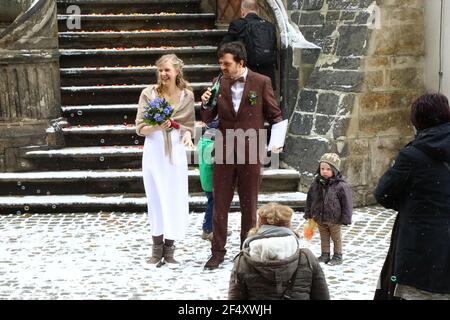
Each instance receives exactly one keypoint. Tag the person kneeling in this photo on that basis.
(271, 264)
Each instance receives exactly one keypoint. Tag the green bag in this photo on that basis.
(205, 163)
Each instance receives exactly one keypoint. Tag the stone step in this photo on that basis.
(121, 94)
(129, 39)
(117, 181)
(109, 135)
(102, 135)
(131, 75)
(92, 157)
(129, 7)
(86, 158)
(124, 57)
(124, 203)
(129, 22)
(91, 115)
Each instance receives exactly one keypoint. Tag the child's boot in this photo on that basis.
(337, 259)
(324, 257)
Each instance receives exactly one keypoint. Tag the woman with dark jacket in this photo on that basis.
(271, 264)
(418, 187)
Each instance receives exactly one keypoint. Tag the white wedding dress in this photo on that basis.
(166, 185)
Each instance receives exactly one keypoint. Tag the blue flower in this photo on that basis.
(167, 110)
(158, 118)
(153, 104)
(157, 111)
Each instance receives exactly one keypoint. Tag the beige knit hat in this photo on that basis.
(332, 159)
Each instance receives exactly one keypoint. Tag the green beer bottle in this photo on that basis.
(212, 102)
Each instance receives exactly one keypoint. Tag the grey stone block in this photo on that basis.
(352, 41)
(312, 4)
(333, 16)
(293, 4)
(313, 34)
(323, 124)
(295, 17)
(348, 15)
(293, 92)
(327, 103)
(307, 101)
(303, 154)
(362, 17)
(343, 4)
(345, 63)
(301, 124)
(311, 18)
(304, 4)
(310, 56)
(347, 81)
(328, 29)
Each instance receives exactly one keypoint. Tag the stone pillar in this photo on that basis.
(29, 86)
(355, 99)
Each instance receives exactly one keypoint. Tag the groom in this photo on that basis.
(246, 100)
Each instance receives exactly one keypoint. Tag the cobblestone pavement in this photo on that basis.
(103, 256)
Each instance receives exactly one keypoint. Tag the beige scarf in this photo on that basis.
(184, 115)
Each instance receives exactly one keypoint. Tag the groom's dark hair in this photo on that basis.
(236, 48)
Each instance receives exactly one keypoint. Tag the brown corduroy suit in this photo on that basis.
(227, 170)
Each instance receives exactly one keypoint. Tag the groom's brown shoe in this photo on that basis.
(214, 262)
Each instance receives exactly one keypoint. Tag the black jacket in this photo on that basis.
(418, 187)
(236, 33)
(330, 202)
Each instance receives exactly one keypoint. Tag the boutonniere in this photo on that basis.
(252, 98)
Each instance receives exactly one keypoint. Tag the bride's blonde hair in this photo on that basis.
(178, 65)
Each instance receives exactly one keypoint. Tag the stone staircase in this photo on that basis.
(104, 67)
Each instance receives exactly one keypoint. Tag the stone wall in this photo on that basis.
(355, 100)
(29, 86)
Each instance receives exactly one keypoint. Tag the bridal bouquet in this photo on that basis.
(158, 111)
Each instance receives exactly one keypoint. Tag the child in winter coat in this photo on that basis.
(329, 203)
(272, 265)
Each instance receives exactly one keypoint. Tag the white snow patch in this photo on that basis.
(89, 151)
(116, 174)
(125, 200)
(69, 52)
(118, 128)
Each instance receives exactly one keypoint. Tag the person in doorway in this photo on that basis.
(259, 38)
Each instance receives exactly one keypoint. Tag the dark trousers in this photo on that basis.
(207, 220)
(247, 177)
(267, 70)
